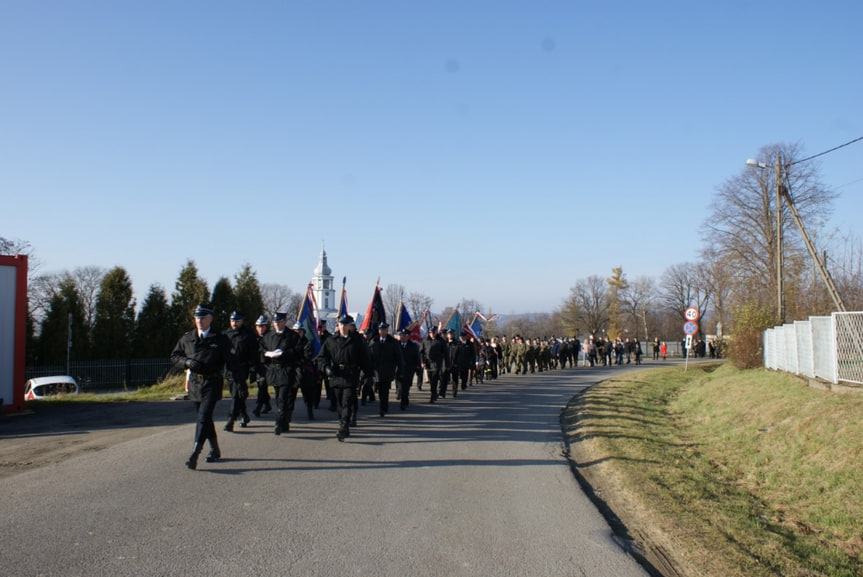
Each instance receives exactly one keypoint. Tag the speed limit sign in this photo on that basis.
(691, 314)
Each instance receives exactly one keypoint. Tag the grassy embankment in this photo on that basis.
(731, 472)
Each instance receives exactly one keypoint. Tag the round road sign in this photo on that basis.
(690, 327)
(691, 314)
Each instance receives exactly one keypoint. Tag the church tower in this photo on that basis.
(322, 287)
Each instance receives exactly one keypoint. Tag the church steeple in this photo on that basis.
(322, 286)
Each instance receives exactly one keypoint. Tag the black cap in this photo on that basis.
(203, 310)
(235, 316)
(404, 332)
(383, 326)
(280, 317)
(433, 329)
(262, 320)
(346, 320)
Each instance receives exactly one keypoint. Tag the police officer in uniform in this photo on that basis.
(342, 358)
(244, 347)
(282, 351)
(386, 356)
(262, 325)
(205, 353)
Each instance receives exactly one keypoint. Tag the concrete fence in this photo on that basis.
(827, 348)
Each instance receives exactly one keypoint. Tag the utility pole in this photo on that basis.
(780, 283)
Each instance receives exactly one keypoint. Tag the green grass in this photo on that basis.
(753, 472)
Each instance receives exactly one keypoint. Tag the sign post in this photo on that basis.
(690, 327)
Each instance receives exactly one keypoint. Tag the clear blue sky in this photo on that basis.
(496, 151)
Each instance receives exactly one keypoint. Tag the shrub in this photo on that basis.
(747, 348)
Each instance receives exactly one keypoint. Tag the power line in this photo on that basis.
(826, 151)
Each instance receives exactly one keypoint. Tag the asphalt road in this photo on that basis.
(477, 485)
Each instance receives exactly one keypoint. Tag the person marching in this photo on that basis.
(306, 373)
(388, 364)
(282, 351)
(342, 358)
(205, 353)
(244, 347)
(435, 360)
(412, 362)
(262, 325)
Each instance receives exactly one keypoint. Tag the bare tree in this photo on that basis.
(41, 289)
(277, 297)
(417, 304)
(635, 301)
(741, 227)
(88, 280)
(586, 309)
(391, 296)
(683, 286)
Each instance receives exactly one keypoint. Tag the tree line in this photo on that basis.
(733, 284)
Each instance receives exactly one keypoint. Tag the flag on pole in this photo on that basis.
(403, 321)
(454, 322)
(476, 326)
(403, 318)
(490, 319)
(466, 329)
(307, 320)
(375, 313)
(343, 301)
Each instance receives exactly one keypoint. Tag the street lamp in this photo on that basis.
(780, 283)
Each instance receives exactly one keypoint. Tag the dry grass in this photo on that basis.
(733, 472)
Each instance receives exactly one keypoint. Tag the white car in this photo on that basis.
(42, 387)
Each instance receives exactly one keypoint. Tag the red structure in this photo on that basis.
(13, 330)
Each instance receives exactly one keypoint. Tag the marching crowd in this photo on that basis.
(353, 369)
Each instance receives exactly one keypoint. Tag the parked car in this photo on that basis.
(42, 387)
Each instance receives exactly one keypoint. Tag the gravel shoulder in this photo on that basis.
(53, 432)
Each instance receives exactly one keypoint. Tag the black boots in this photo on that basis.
(245, 421)
(215, 454)
(192, 461)
(311, 412)
(230, 426)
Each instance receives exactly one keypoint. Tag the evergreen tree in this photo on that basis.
(189, 291)
(247, 292)
(223, 303)
(54, 335)
(154, 334)
(114, 321)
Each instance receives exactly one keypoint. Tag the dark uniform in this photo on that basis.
(435, 359)
(244, 347)
(259, 371)
(282, 351)
(464, 360)
(386, 354)
(412, 363)
(205, 353)
(342, 358)
(307, 374)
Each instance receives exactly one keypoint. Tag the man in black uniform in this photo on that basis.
(282, 351)
(205, 353)
(244, 347)
(342, 358)
(435, 360)
(262, 325)
(412, 361)
(307, 373)
(387, 359)
(463, 360)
